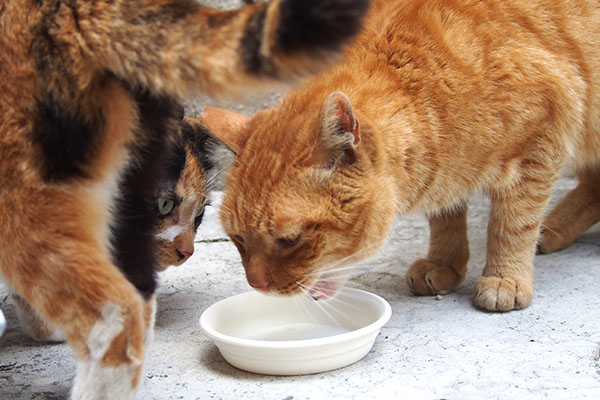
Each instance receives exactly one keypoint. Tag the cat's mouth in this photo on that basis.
(326, 286)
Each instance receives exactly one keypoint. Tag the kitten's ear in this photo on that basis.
(214, 156)
(340, 130)
(228, 126)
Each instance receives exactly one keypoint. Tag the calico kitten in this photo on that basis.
(89, 91)
(193, 171)
(435, 100)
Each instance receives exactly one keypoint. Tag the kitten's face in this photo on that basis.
(300, 204)
(180, 207)
(191, 174)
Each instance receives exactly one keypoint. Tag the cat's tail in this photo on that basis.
(288, 38)
(179, 47)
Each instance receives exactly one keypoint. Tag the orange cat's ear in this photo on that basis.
(227, 126)
(340, 130)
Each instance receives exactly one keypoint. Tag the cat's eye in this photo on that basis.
(238, 239)
(165, 205)
(286, 243)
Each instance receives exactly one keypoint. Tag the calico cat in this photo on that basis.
(191, 173)
(433, 101)
(89, 92)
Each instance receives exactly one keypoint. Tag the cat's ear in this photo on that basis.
(227, 126)
(340, 130)
(215, 157)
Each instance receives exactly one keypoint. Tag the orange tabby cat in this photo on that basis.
(434, 101)
(88, 98)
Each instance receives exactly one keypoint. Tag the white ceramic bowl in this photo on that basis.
(295, 335)
(2, 323)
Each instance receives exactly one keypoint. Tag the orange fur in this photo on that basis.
(87, 93)
(451, 97)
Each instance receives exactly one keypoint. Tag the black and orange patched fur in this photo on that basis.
(192, 172)
(88, 101)
(434, 101)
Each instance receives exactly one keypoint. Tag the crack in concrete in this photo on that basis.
(218, 240)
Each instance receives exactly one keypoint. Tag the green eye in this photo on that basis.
(165, 205)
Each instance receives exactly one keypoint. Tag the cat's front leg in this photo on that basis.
(513, 231)
(446, 263)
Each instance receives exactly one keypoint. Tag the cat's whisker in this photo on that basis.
(337, 299)
(214, 177)
(335, 270)
(331, 268)
(330, 299)
(356, 254)
(303, 307)
(306, 289)
(333, 304)
(321, 307)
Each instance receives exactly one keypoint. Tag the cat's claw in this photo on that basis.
(502, 294)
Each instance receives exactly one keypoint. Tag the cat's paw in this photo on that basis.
(426, 278)
(502, 294)
(552, 240)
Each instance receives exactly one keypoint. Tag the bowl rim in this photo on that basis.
(374, 326)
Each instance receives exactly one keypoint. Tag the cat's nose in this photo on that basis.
(184, 254)
(258, 280)
(184, 245)
(257, 274)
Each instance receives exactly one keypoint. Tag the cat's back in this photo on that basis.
(17, 84)
(486, 23)
(469, 57)
(17, 67)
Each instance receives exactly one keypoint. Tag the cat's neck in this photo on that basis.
(402, 135)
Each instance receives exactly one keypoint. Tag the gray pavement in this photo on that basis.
(430, 349)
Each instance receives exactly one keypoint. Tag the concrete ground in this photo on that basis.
(430, 349)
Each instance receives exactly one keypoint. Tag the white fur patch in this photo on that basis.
(56, 337)
(171, 233)
(105, 330)
(94, 382)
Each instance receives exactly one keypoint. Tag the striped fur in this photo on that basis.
(446, 98)
(89, 94)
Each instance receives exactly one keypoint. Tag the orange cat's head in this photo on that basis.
(305, 195)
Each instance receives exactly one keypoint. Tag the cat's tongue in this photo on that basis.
(324, 289)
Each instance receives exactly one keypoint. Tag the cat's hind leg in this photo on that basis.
(33, 324)
(577, 212)
(446, 263)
